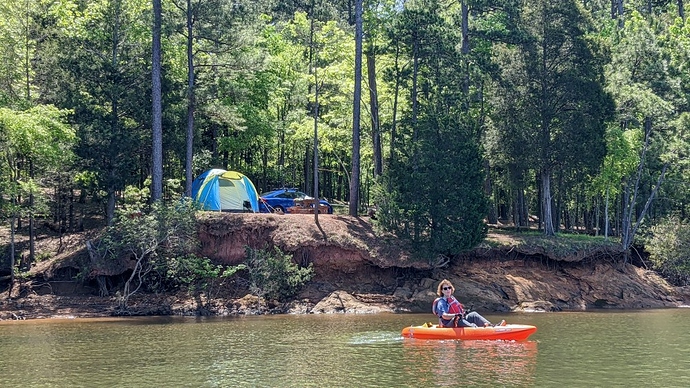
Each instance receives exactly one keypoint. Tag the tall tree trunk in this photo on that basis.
(316, 146)
(12, 254)
(112, 179)
(191, 101)
(465, 49)
(157, 110)
(374, 107)
(281, 115)
(27, 53)
(307, 171)
(546, 202)
(606, 216)
(32, 232)
(464, 9)
(111, 187)
(110, 204)
(394, 120)
(312, 68)
(354, 182)
(488, 190)
(630, 223)
(558, 214)
(681, 10)
(415, 74)
(617, 12)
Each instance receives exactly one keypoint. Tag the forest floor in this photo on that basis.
(356, 270)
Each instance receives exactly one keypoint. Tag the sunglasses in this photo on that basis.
(447, 288)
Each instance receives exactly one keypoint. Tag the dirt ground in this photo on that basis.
(357, 270)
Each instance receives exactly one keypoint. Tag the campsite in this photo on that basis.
(222, 190)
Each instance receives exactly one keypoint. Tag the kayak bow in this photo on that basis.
(509, 332)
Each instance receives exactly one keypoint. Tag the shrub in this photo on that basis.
(272, 274)
(168, 230)
(190, 271)
(669, 246)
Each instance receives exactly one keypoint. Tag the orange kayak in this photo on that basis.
(506, 333)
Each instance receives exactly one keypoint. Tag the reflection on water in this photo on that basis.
(570, 349)
(474, 363)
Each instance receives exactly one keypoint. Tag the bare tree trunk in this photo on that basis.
(12, 258)
(681, 9)
(114, 121)
(374, 106)
(138, 273)
(306, 170)
(415, 76)
(617, 12)
(488, 190)
(354, 182)
(465, 49)
(110, 205)
(628, 229)
(313, 67)
(32, 232)
(546, 203)
(522, 209)
(191, 101)
(464, 9)
(157, 114)
(394, 122)
(316, 146)
(606, 216)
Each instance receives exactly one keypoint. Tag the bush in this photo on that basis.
(669, 246)
(190, 271)
(168, 230)
(272, 274)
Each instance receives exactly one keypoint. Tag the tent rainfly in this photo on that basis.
(227, 191)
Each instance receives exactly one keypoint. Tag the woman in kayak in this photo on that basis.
(451, 313)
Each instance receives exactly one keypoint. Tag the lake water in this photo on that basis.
(601, 349)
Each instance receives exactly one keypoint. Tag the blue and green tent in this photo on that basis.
(227, 191)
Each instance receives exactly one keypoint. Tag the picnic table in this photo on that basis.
(307, 206)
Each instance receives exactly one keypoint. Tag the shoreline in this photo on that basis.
(356, 271)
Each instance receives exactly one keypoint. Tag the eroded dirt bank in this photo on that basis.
(357, 271)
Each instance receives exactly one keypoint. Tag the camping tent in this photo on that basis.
(222, 190)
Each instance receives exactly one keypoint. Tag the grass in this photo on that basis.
(563, 244)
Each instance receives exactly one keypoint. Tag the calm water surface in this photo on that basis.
(645, 348)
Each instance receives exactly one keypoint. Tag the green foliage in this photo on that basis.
(668, 243)
(525, 81)
(272, 274)
(168, 230)
(190, 271)
(39, 137)
(431, 195)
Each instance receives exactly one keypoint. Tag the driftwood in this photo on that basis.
(94, 258)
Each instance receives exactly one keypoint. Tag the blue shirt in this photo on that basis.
(443, 307)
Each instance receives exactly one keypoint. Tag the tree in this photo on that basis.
(354, 183)
(167, 231)
(38, 137)
(213, 30)
(669, 246)
(157, 117)
(647, 103)
(564, 103)
(435, 197)
(273, 274)
(18, 33)
(97, 66)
